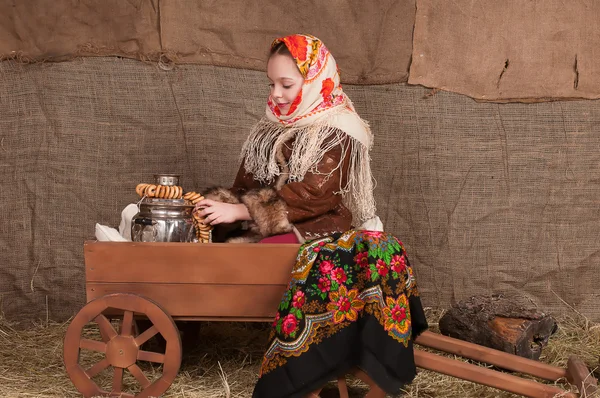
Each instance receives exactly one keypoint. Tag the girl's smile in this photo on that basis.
(286, 81)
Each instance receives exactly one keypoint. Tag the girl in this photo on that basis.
(352, 305)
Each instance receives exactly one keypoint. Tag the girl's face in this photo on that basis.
(286, 81)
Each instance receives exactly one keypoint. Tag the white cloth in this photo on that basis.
(372, 224)
(108, 234)
(126, 217)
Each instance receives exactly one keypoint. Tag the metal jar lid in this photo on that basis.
(166, 179)
(166, 203)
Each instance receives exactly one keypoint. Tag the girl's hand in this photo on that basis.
(221, 213)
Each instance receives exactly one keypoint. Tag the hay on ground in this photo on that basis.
(226, 358)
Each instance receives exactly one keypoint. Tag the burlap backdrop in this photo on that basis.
(487, 197)
(506, 51)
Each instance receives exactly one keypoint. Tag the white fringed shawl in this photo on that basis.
(313, 139)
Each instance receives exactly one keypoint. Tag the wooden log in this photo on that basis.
(508, 325)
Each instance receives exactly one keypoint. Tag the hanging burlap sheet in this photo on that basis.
(486, 197)
(513, 50)
(371, 41)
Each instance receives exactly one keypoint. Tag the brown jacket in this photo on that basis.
(310, 206)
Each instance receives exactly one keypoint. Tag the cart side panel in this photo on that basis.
(201, 300)
(222, 281)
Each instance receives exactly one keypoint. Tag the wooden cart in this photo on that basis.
(165, 282)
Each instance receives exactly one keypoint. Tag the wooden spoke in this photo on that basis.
(343, 387)
(139, 375)
(106, 329)
(151, 356)
(117, 380)
(127, 323)
(97, 368)
(146, 335)
(92, 345)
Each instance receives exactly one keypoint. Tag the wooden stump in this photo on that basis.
(508, 325)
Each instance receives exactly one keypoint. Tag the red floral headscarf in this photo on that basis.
(321, 90)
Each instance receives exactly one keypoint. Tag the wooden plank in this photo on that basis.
(198, 300)
(223, 319)
(579, 375)
(119, 314)
(490, 356)
(269, 264)
(487, 377)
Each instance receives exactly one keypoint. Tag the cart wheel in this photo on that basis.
(122, 350)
